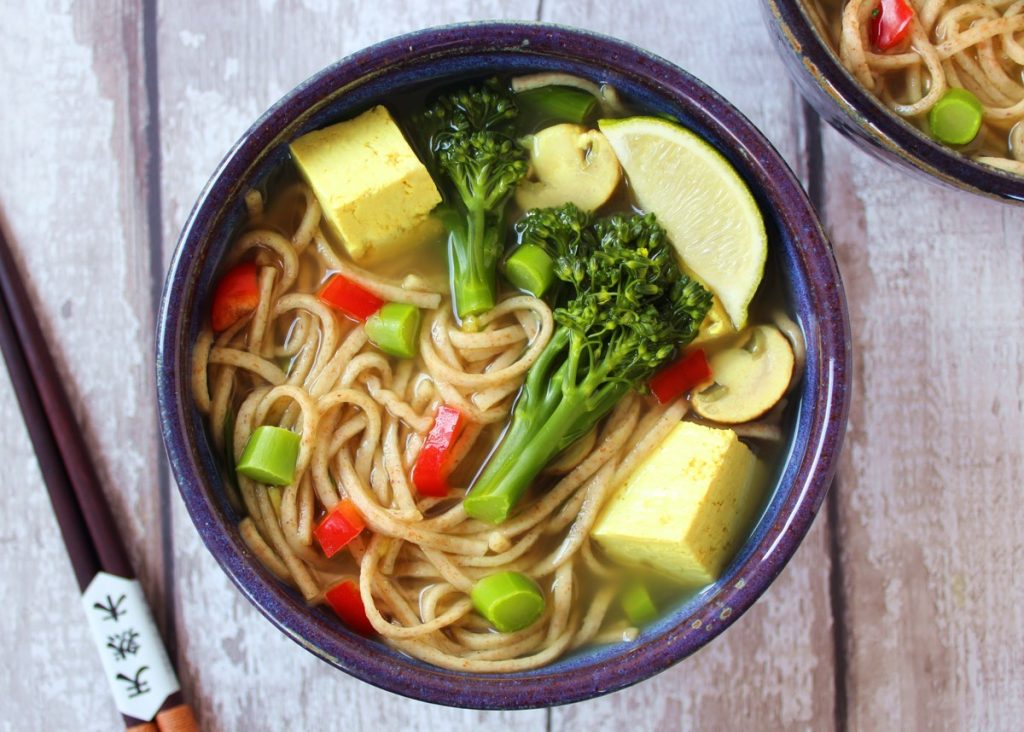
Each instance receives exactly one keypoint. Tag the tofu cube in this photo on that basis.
(375, 193)
(687, 507)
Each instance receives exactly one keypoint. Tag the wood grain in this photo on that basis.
(930, 512)
(72, 183)
(774, 668)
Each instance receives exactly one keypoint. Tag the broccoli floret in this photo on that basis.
(559, 231)
(486, 107)
(623, 310)
(472, 149)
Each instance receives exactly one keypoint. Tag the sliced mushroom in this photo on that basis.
(748, 379)
(569, 163)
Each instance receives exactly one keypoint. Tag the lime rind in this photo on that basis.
(705, 206)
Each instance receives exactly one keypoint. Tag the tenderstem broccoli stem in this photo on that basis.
(473, 280)
(515, 465)
(624, 310)
(553, 411)
(469, 134)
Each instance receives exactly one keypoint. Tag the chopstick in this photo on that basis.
(135, 661)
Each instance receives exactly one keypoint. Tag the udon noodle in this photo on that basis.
(977, 46)
(363, 422)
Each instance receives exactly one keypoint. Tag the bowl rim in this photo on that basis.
(875, 122)
(812, 475)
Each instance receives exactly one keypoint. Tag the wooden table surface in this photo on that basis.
(902, 609)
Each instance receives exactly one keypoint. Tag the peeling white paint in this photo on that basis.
(191, 40)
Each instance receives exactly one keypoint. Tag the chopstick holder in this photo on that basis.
(134, 660)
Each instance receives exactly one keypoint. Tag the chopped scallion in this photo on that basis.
(270, 456)
(956, 117)
(509, 600)
(395, 329)
(550, 104)
(530, 269)
(637, 603)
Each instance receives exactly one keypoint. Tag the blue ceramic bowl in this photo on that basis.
(804, 260)
(813, 64)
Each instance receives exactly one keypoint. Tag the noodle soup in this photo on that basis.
(472, 388)
(953, 68)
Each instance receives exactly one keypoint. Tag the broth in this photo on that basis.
(296, 364)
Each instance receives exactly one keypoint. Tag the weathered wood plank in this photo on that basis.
(220, 68)
(930, 515)
(773, 669)
(72, 178)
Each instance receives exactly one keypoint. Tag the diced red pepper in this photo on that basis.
(435, 462)
(339, 527)
(237, 295)
(350, 298)
(678, 378)
(890, 24)
(347, 603)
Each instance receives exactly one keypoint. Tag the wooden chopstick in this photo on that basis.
(120, 616)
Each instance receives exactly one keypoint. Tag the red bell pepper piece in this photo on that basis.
(237, 295)
(350, 298)
(890, 24)
(339, 527)
(434, 464)
(678, 378)
(347, 603)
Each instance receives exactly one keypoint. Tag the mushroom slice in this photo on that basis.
(748, 379)
(569, 163)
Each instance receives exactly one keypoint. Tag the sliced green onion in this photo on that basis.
(548, 104)
(270, 455)
(509, 600)
(395, 329)
(956, 117)
(637, 603)
(530, 269)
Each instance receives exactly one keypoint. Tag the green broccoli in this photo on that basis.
(472, 148)
(622, 310)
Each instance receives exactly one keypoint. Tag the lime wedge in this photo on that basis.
(700, 199)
